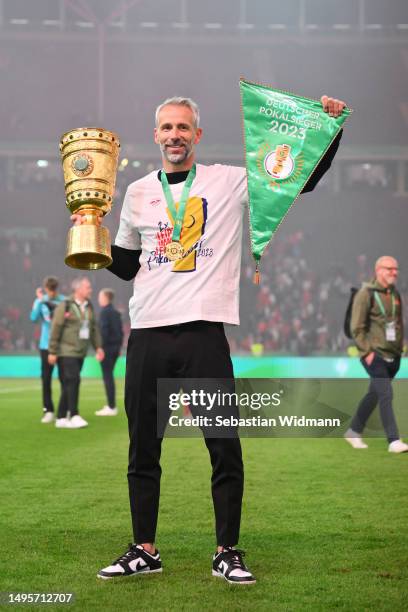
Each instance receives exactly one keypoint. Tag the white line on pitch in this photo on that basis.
(14, 390)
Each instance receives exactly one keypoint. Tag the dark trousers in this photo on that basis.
(46, 377)
(191, 350)
(107, 366)
(69, 373)
(381, 373)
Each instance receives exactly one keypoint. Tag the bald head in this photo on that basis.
(386, 270)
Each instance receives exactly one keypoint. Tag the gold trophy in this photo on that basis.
(89, 160)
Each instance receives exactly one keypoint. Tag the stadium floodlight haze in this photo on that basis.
(170, 349)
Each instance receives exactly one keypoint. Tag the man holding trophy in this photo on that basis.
(180, 238)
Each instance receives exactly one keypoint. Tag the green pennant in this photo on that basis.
(285, 137)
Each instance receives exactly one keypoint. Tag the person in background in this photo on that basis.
(73, 329)
(47, 299)
(110, 324)
(377, 329)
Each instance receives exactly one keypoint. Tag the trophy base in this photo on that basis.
(88, 247)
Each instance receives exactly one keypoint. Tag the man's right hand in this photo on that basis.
(52, 359)
(39, 293)
(369, 358)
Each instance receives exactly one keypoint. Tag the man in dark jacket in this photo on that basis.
(110, 324)
(377, 328)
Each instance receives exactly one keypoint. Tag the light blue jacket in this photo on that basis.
(41, 312)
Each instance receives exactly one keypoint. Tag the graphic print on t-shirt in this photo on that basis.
(193, 229)
(195, 217)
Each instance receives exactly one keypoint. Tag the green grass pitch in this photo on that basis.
(325, 527)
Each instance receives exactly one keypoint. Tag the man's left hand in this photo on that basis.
(100, 354)
(332, 106)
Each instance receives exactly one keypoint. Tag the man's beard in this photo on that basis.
(177, 158)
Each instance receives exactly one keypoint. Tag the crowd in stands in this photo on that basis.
(295, 309)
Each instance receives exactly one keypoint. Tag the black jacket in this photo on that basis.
(110, 324)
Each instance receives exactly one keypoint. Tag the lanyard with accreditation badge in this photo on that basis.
(84, 332)
(390, 328)
(174, 250)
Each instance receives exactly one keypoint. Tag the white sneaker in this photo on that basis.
(135, 561)
(48, 417)
(77, 422)
(229, 564)
(398, 446)
(63, 423)
(354, 439)
(107, 411)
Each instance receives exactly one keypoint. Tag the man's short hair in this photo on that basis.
(109, 294)
(179, 101)
(77, 281)
(380, 261)
(51, 283)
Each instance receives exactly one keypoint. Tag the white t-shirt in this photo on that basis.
(204, 285)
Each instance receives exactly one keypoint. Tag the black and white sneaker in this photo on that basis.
(228, 564)
(135, 561)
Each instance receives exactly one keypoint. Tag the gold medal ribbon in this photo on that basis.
(178, 215)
